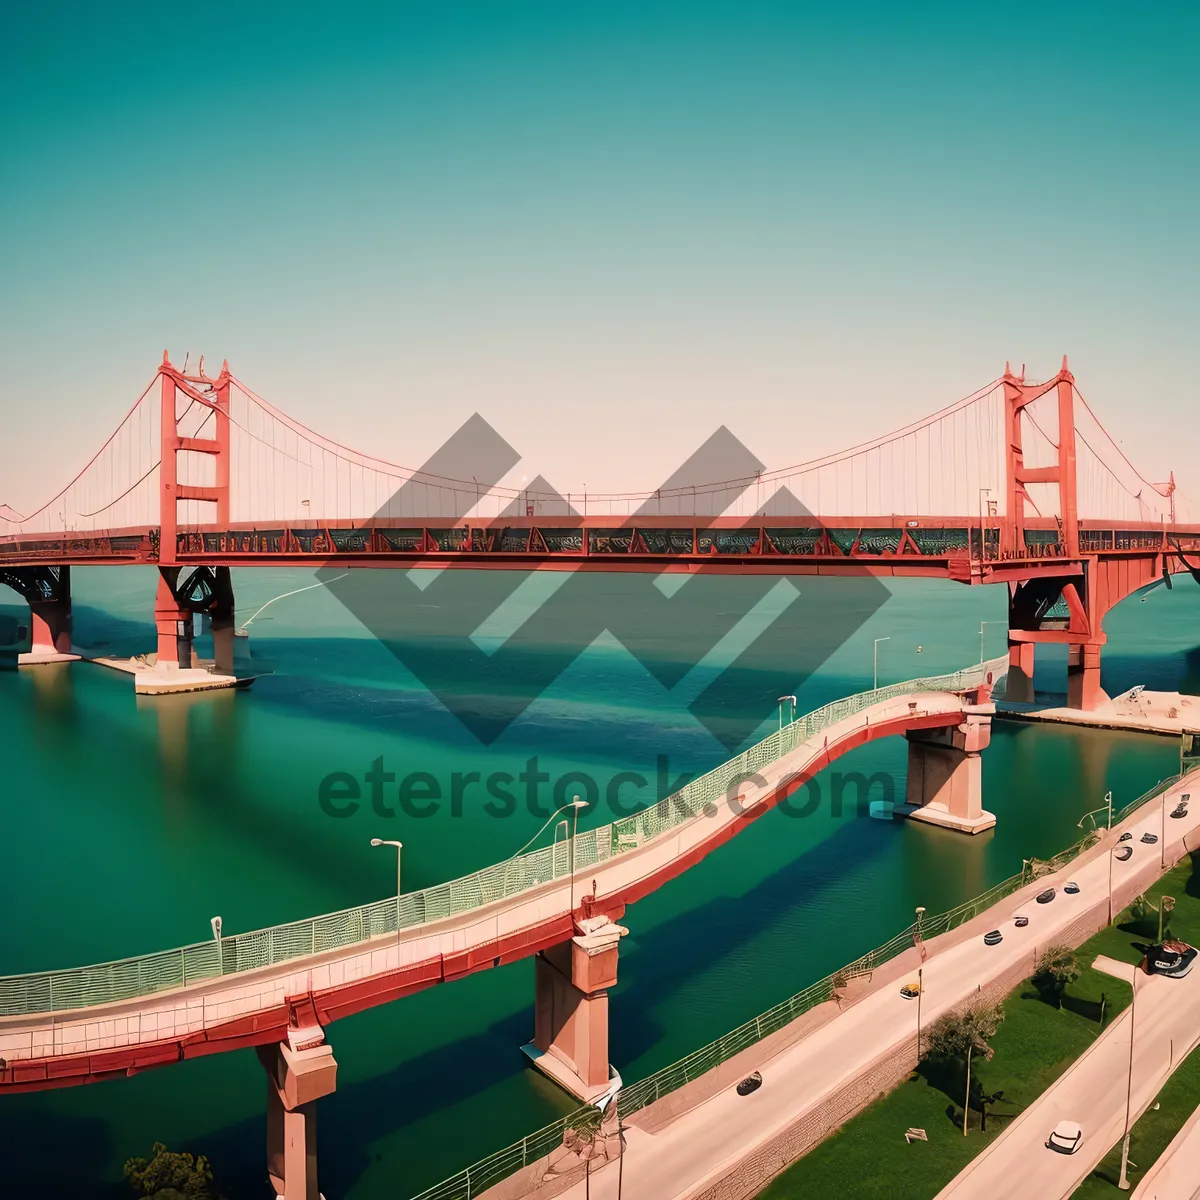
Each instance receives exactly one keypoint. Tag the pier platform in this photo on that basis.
(1171, 714)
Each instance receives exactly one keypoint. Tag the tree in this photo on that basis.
(954, 1035)
(167, 1175)
(957, 1036)
(1056, 968)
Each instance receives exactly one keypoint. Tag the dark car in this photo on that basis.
(1020, 920)
(1180, 810)
(750, 1084)
(1125, 837)
(1173, 959)
(994, 938)
(1072, 888)
(1124, 853)
(1149, 838)
(1046, 896)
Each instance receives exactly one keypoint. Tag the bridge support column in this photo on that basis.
(47, 591)
(223, 622)
(570, 1039)
(174, 624)
(1083, 678)
(945, 777)
(1020, 672)
(299, 1072)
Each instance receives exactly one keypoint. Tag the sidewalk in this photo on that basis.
(728, 1147)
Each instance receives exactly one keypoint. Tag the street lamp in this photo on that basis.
(920, 981)
(216, 928)
(575, 805)
(792, 701)
(1123, 1183)
(399, 849)
(877, 641)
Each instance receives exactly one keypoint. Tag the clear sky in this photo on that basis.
(608, 227)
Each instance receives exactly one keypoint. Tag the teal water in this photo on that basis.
(129, 823)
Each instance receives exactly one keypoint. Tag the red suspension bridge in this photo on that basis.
(1018, 483)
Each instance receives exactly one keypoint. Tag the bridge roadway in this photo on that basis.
(254, 1008)
(724, 1146)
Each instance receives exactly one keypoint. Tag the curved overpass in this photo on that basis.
(78, 1026)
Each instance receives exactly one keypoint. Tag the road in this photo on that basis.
(1165, 1020)
(1176, 1174)
(686, 1157)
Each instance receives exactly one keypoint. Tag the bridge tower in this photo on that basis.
(1079, 598)
(173, 610)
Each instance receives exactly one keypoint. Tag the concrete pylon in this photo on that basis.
(1019, 686)
(299, 1072)
(945, 776)
(570, 1039)
(1083, 678)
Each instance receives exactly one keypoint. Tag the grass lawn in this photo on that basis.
(1035, 1044)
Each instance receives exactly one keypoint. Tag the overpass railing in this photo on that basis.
(476, 1179)
(144, 975)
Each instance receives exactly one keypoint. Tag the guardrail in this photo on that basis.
(471, 1183)
(126, 979)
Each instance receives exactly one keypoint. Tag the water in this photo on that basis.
(130, 823)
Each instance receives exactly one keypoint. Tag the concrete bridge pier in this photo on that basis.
(1083, 677)
(570, 1039)
(945, 777)
(1020, 672)
(173, 623)
(299, 1072)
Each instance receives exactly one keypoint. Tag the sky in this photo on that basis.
(607, 227)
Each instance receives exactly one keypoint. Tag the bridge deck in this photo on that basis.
(48, 1049)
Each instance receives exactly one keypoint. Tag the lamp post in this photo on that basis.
(216, 928)
(575, 805)
(920, 981)
(399, 850)
(877, 641)
(1123, 1183)
(1162, 836)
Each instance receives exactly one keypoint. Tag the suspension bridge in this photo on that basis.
(1018, 483)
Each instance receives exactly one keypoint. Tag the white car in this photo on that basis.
(1066, 1138)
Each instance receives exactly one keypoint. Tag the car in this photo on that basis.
(1125, 837)
(1180, 810)
(994, 938)
(1020, 920)
(1066, 1137)
(1072, 888)
(910, 991)
(750, 1084)
(1046, 896)
(1123, 853)
(1173, 959)
(1149, 838)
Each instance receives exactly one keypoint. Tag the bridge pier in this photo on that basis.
(47, 591)
(299, 1072)
(945, 775)
(1083, 677)
(570, 1039)
(1020, 671)
(173, 622)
